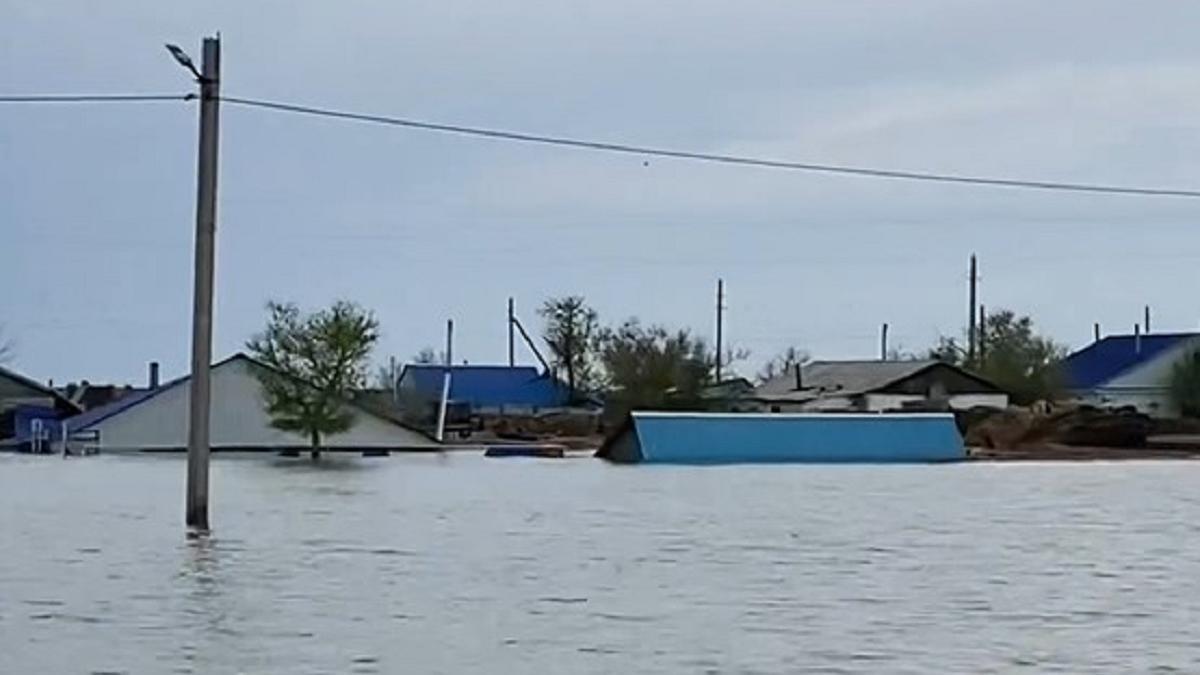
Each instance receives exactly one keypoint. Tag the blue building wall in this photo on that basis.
(23, 423)
(712, 438)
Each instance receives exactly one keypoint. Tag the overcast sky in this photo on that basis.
(97, 202)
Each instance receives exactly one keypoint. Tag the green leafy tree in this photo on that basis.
(653, 367)
(315, 361)
(1013, 356)
(570, 332)
(1184, 385)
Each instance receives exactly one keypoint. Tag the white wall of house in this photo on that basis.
(1153, 401)
(238, 420)
(883, 402)
(968, 401)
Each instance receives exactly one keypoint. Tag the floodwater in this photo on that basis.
(461, 564)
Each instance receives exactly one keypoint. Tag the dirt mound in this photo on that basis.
(1071, 426)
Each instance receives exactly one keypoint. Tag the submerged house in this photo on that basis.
(29, 411)
(484, 389)
(877, 386)
(157, 420)
(1129, 370)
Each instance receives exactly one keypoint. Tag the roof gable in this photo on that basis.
(1105, 360)
(851, 378)
(96, 415)
(35, 386)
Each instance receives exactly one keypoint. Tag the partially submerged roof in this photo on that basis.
(849, 378)
(33, 385)
(717, 438)
(94, 416)
(488, 386)
(1115, 355)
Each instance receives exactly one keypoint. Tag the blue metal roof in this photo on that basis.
(488, 386)
(725, 438)
(1102, 361)
(89, 418)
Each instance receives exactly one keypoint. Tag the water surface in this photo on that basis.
(465, 565)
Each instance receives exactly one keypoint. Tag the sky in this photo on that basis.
(97, 201)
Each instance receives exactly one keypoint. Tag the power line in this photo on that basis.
(710, 157)
(95, 98)
(740, 160)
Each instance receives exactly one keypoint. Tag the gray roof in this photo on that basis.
(30, 383)
(839, 377)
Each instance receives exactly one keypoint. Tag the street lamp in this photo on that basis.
(184, 60)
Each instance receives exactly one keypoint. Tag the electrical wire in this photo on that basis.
(95, 98)
(710, 157)
(740, 160)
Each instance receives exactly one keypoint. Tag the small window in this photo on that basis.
(774, 408)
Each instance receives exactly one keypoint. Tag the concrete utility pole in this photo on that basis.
(1096, 331)
(971, 336)
(209, 79)
(449, 342)
(1146, 326)
(883, 343)
(720, 324)
(512, 337)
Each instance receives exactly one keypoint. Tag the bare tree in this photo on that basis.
(571, 330)
(428, 356)
(783, 363)
(7, 350)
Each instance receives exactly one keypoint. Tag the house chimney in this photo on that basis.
(799, 377)
(153, 375)
(1137, 338)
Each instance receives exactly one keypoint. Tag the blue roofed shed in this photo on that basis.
(486, 387)
(1129, 370)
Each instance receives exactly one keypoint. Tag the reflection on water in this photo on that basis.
(466, 565)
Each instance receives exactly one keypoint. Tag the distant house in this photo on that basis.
(876, 386)
(157, 419)
(29, 411)
(1129, 370)
(484, 389)
(731, 395)
(88, 395)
